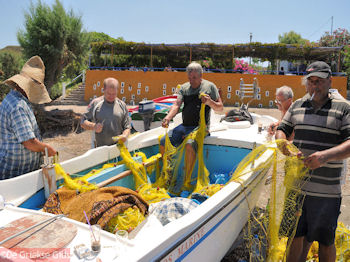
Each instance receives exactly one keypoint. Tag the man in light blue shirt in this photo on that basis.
(20, 141)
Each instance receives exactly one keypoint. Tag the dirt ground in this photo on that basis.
(73, 144)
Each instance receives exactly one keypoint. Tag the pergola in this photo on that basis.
(271, 52)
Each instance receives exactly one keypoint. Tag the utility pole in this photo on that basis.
(250, 41)
(331, 25)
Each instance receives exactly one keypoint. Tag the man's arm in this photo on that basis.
(124, 136)
(173, 111)
(35, 145)
(284, 145)
(280, 135)
(215, 105)
(273, 128)
(89, 115)
(88, 125)
(319, 158)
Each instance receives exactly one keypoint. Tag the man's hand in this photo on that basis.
(287, 148)
(37, 146)
(50, 150)
(206, 99)
(315, 160)
(272, 128)
(123, 138)
(165, 122)
(98, 128)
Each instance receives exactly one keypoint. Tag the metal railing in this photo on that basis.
(64, 85)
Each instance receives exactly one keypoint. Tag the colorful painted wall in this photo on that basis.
(136, 86)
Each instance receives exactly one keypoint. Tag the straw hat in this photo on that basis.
(31, 81)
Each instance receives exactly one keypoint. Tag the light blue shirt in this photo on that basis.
(17, 124)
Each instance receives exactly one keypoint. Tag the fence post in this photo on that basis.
(64, 90)
(84, 76)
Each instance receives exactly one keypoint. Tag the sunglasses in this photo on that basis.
(280, 102)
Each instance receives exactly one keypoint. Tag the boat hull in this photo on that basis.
(204, 234)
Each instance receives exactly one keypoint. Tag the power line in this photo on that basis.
(331, 18)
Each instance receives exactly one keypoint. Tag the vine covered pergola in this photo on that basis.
(224, 54)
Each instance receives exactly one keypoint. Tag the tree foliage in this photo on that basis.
(292, 38)
(102, 37)
(10, 64)
(56, 36)
(340, 37)
(124, 54)
(347, 62)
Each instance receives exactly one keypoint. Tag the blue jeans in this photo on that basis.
(178, 135)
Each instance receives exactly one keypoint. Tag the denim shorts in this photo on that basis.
(319, 219)
(178, 135)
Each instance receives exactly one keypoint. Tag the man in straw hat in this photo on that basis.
(20, 140)
(321, 125)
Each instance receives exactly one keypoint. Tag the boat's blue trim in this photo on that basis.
(178, 243)
(36, 201)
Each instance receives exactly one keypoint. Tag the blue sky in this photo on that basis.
(186, 21)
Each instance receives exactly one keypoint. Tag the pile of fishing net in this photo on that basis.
(269, 229)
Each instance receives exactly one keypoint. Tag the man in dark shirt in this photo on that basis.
(321, 126)
(189, 95)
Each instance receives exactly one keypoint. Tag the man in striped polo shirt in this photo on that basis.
(321, 124)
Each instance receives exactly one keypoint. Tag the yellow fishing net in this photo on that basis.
(165, 180)
(137, 169)
(342, 245)
(176, 176)
(285, 200)
(127, 220)
(271, 225)
(79, 183)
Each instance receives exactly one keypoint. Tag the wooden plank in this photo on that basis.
(41, 240)
(121, 175)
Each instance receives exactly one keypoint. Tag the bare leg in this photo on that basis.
(189, 162)
(296, 250)
(327, 253)
(306, 248)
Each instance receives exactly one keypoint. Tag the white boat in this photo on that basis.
(204, 234)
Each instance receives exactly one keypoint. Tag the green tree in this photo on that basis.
(346, 63)
(56, 36)
(102, 37)
(10, 64)
(291, 38)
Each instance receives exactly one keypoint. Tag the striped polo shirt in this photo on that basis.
(319, 130)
